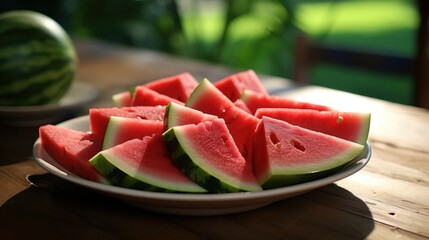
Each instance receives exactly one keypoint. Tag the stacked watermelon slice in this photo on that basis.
(179, 135)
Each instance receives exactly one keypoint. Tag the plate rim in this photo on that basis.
(276, 194)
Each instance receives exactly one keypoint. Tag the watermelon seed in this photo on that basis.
(339, 119)
(243, 151)
(297, 145)
(225, 139)
(274, 139)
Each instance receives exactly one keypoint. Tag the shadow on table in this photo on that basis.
(57, 209)
(16, 143)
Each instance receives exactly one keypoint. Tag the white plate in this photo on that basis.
(77, 97)
(192, 204)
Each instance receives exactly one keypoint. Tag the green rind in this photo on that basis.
(193, 170)
(111, 132)
(168, 120)
(198, 91)
(117, 177)
(122, 99)
(364, 131)
(120, 175)
(290, 177)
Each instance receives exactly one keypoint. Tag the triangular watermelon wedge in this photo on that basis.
(352, 126)
(255, 100)
(208, 99)
(144, 96)
(143, 164)
(71, 149)
(233, 85)
(179, 86)
(286, 154)
(207, 154)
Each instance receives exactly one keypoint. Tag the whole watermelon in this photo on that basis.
(37, 59)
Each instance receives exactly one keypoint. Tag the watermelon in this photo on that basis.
(71, 149)
(207, 154)
(122, 129)
(122, 99)
(352, 126)
(234, 85)
(286, 154)
(144, 96)
(208, 99)
(37, 59)
(143, 164)
(178, 86)
(255, 100)
(176, 115)
(99, 117)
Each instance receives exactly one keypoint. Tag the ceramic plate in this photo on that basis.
(192, 204)
(78, 97)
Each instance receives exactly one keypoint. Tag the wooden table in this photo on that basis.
(388, 199)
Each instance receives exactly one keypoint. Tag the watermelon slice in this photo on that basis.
(208, 99)
(286, 154)
(352, 126)
(177, 115)
(207, 154)
(122, 99)
(122, 129)
(255, 100)
(233, 85)
(71, 149)
(178, 86)
(99, 117)
(143, 164)
(144, 96)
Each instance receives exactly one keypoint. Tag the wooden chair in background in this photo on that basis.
(308, 53)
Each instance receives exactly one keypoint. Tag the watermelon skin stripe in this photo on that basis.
(19, 35)
(41, 47)
(43, 98)
(193, 171)
(36, 75)
(43, 62)
(39, 87)
(38, 92)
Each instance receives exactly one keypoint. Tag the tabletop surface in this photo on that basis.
(387, 199)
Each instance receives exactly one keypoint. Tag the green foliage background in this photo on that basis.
(251, 34)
